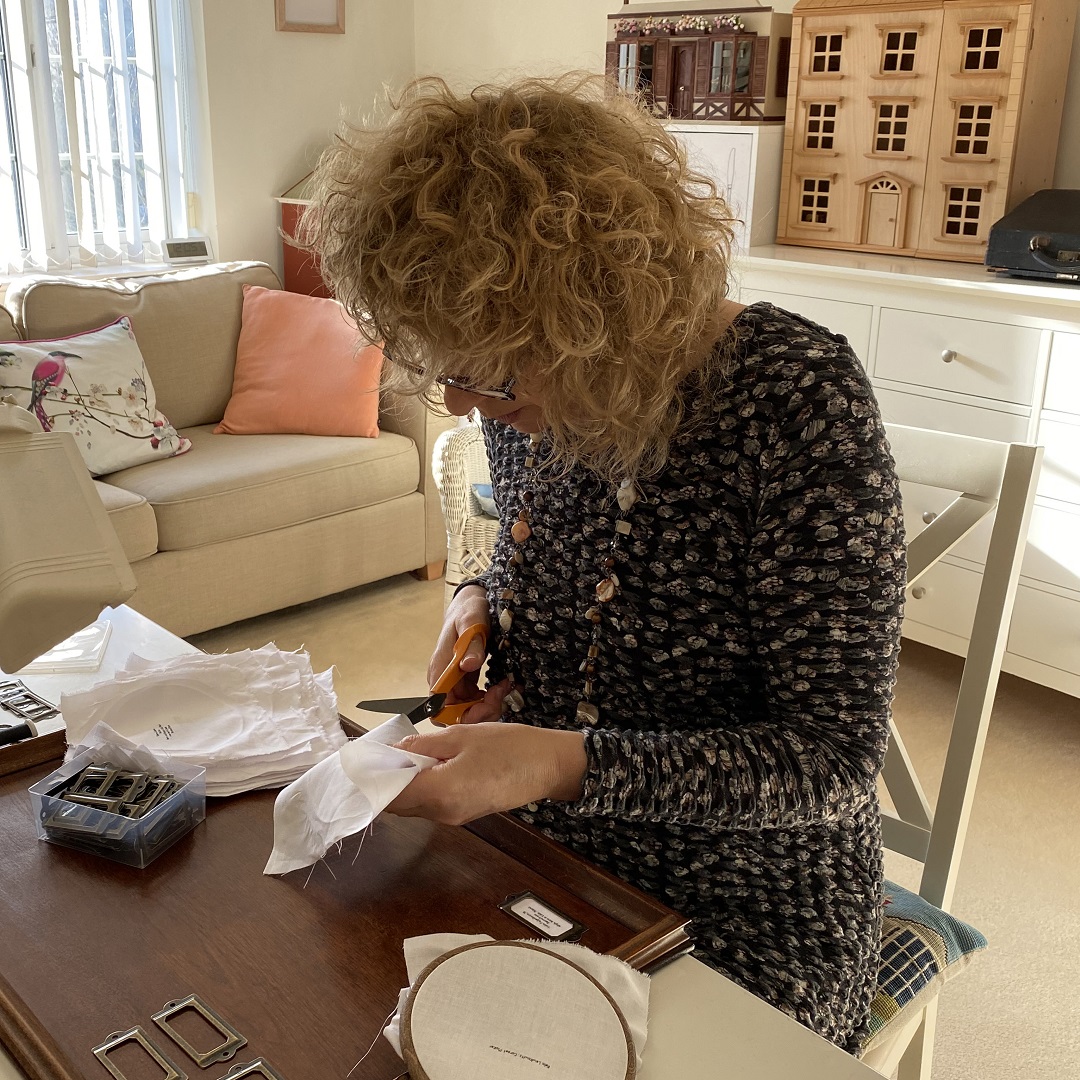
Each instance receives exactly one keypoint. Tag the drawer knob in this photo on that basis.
(928, 516)
(948, 355)
(918, 592)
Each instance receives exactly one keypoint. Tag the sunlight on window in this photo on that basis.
(99, 140)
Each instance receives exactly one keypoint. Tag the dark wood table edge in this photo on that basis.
(657, 928)
(28, 1042)
(30, 752)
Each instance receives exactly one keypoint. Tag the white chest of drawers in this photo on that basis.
(951, 347)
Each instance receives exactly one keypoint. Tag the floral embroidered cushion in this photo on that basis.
(96, 386)
(300, 370)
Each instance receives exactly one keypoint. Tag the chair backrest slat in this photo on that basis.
(949, 528)
(989, 477)
(903, 783)
(904, 838)
(943, 460)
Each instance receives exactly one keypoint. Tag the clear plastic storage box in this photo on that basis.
(88, 826)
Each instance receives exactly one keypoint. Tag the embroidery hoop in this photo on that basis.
(455, 1025)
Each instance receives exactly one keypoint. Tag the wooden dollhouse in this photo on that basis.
(913, 125)
(697, 61)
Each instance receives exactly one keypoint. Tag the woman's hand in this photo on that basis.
(485, 768)
(469, 607)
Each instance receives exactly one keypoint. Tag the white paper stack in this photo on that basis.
(253, 719)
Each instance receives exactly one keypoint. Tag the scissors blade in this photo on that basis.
(392, 705)
(427, 708)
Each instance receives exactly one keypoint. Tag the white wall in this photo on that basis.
(472, 41)
(274, 100)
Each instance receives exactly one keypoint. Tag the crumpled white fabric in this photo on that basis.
(253, 718)
(628, 988)
(342, 795)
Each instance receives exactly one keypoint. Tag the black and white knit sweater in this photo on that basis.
(746, 667)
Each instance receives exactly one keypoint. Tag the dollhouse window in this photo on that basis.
(982, 48)
(963, 207)
(972, 135)
(814, 209)
(820, 125)
(899, 51)
(732, 63)
(636, 67)
(891, 127)
(825, 52)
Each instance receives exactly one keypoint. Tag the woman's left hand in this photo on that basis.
(485, 768)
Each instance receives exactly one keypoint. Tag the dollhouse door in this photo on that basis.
(881, 218)
(682, 81)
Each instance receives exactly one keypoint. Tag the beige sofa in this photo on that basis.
(246, 524)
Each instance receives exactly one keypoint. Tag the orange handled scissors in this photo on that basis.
(434, 707)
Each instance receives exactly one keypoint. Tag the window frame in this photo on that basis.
(737, 41)
(808, 104)
(628, 75)
(162, 32)
(818, 207)
(811, 36)
(884, 29)
(892, 101)
(982, 224)
(1003, 50)
(971, 158)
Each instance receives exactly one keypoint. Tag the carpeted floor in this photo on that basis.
(1015, 1012)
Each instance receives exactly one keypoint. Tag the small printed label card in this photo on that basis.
(540, 916)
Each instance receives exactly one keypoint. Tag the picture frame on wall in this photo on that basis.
(310, 16)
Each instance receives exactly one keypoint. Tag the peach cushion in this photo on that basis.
(299, 370)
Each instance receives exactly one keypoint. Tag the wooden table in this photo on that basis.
(700, 1024)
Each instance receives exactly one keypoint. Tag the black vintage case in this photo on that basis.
(1040, 238)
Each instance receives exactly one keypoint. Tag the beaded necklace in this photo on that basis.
(606, 588)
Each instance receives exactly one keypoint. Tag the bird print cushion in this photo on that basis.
(94, 385)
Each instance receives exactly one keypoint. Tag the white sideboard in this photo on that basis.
(951, 347)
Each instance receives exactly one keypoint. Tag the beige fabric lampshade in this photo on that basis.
(60, 559)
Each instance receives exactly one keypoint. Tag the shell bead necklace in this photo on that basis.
(607, 588)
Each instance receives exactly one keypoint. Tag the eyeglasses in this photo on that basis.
(500, 393)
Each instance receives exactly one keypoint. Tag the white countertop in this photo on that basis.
(899, 269)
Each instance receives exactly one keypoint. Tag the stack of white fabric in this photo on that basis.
(253, 719)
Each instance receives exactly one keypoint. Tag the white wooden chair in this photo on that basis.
(990, 478)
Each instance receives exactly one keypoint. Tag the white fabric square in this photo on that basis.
(342, 795)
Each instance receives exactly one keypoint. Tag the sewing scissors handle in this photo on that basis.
(452, 675)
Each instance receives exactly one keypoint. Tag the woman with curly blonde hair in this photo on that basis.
(695, 597)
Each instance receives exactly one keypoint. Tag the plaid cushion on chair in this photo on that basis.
(922, 947)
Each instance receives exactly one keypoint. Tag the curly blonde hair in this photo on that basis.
(550, 231)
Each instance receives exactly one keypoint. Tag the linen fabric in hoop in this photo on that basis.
(530, 1013)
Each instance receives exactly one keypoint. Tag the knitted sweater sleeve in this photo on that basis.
(825, 573)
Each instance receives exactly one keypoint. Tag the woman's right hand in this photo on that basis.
(469, 607)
